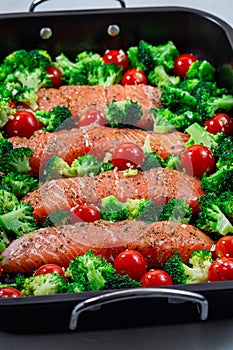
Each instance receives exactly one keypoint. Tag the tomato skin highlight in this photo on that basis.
(130, 262)
(224, 247)
(55, 75)
(221, 270)
(128, 155)
(221, 122)
(197, 160)
(92, 116)
(23, 124)
(116, 56)
(10, 292)
(134, 76)
(85, 212)
(50, 268)
(182, 64)
(155, 278)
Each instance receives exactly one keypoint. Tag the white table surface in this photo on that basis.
(209, 335)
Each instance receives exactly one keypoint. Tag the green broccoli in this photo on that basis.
(175, 97)
(16, 160)
(55, 168)
(152, 160)
(159, 77)
(201, 70)
(196, 271)
(224, 152)
(104, 74)
(225, 203)
(123, 113)
(4, 240)
(7, 201)
(19, 183)
(189, 84)
(28, 96)
(176, 210)
(143, 210)
(19, 220)
(86, 164)
(6, 113)
(90, 270)
(35, 79)
(133, 56)
(174, 162)
(199, 135)
(211, 218)
(5, 146)
(116, 281)
(219, 181)
(151, 55)
(113, 210)
(58, 218)
(77, 287)
(45, 284)
(58, 118)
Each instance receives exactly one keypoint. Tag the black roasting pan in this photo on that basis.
(73, 31)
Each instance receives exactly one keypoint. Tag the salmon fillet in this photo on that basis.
(78, 98)
(70, 144)
(158, 184)
(157, 242)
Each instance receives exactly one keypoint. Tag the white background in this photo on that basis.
(220, 8)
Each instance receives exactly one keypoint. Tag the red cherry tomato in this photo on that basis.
(85, 212)
(92, 116)
(197, 160)
(221, 270)
(130, 262)
(133, 77)
(118, 57)
(182, 64)
(55, 75)
(221, 122)
(50, 268)
(154, 278)
(10, 292)
(23, 124)
(224, 247)
(127, 155)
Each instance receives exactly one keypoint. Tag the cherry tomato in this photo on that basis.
(197, 160)
(23, 124)
(133, 77)
(92, 116)
(182, 64)
(221, 270)
(55, 75)
(118, 57)
(127, 155)
(130, 262)
(50, 268)
(10, 292)
(224, 247)
(221, 122)
(85, 212)
(154, 278)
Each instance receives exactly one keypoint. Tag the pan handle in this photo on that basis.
(173, 295)
(35, 3)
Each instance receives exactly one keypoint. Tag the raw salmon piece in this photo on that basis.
(51, 97)
(115, 92)
(158, 184)
(69, 144)
(157, 242)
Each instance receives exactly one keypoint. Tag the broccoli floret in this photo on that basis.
(19, 219)
(5, 146)
(113, 210)
(173, 162)
(225, 203)
(59, 117)
(152, 160)
(174, 97)
(143, 210)
(77, 287)
(195, 272)
(58, 218)
(211, 218)
(55, 168)
(159, 77)
(176, 210)
(45, 284)
(123, 113)
(224, 152)
(6, 113)
(19, 183)
(16, 160)
(104, 74)
(219, 181)
(7, 201)
(28, 96)
(189, 84)
(134, 60)
(200, 136)
(35, 80)
(4, 240)
(90, 270)
(86, 164)
(201, 70)
(117, 281)
(151, 55)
